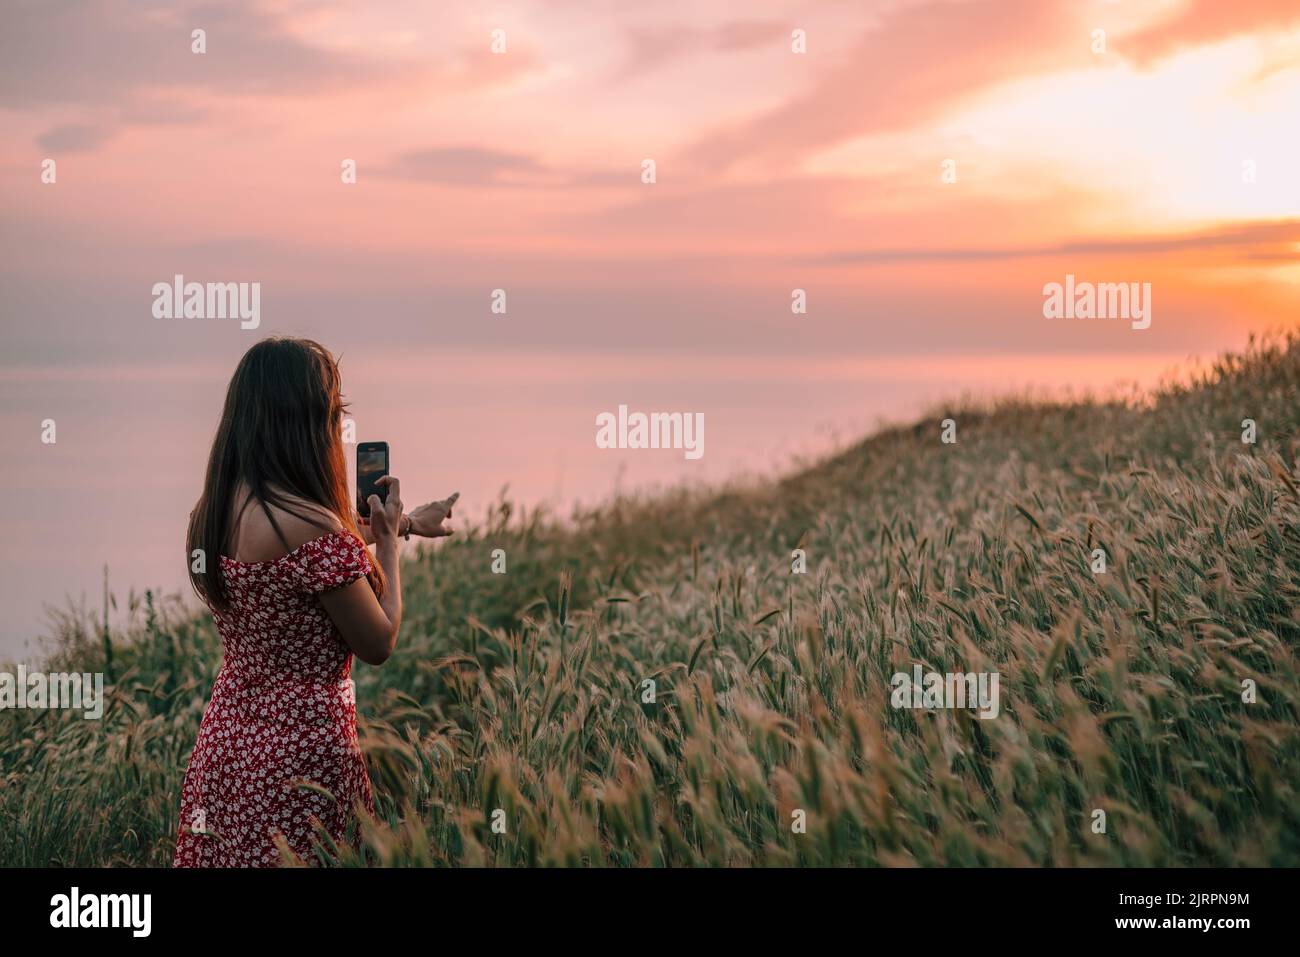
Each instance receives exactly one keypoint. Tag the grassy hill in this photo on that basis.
(1121, 691)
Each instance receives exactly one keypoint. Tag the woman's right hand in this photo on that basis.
(386, 516)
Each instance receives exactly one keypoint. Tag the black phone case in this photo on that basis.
(365, 491)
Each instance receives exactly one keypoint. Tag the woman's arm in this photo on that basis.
(423, 522)
(369, 625)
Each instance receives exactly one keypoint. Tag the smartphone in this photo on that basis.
(372, 465)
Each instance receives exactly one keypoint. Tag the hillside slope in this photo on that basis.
(1120, 691)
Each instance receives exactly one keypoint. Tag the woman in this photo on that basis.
(279, 556)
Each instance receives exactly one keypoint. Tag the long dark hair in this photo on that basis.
(280, 435)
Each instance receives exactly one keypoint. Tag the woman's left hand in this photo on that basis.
(426, 521)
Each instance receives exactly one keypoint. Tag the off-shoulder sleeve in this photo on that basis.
(332, 561)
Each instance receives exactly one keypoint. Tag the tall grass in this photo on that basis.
(524, 692)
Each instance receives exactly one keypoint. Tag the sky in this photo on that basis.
(919, 169)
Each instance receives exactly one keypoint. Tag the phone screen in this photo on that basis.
(372, 465)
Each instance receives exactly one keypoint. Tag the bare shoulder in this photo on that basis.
(254, 538)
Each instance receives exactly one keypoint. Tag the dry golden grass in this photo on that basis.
(523, 692)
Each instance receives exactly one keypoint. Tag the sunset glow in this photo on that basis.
(1169, 157)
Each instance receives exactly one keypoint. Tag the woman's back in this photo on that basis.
(272, 624)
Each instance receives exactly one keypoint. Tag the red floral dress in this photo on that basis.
(283, 712)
